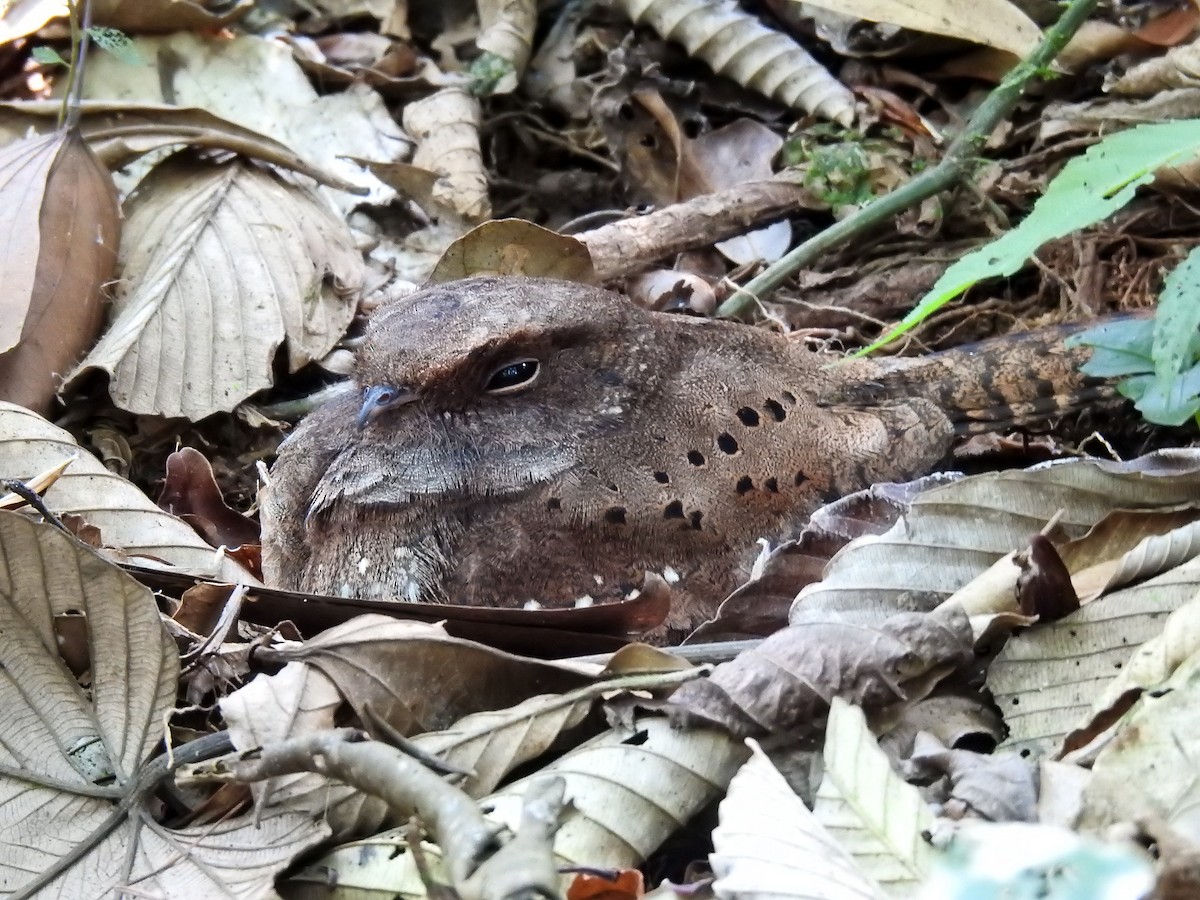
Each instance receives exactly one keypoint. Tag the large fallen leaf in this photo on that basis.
(219, 265)
(59, 223)
(120, 133)
(211, 72)
(952, 533)
(384, 668)
(769, 844)
(127, 518)
(73, 817)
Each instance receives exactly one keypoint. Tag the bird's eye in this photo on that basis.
(513, 376)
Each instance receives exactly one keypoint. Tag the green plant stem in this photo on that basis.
(80, 37)
(958, 160)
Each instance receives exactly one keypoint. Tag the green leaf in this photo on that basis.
(118, 43)
(1089, 188)
(1173, 400)
(1123, 347)
(48, 56)
(1177, 320)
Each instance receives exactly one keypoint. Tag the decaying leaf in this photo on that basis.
(768, 843)
(506, 30)
(446, 128)
(738, 46)
(72, 758)
(127, 518)
(59, 223)
(783, 686)
(160, 16)
(220, 264)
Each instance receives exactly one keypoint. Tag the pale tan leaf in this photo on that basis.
(24, 171)
(506, 29)
(1150, 770)
(446, 128)
(868, 808)
(952, 533)
(212, 72)
(992, 23)
(127, 518)
(1047, 677)
(75, 235)
(61, 828)
(1150, 666)
(1156, 548)
(221, 263)
(768, 844)
(22, 18)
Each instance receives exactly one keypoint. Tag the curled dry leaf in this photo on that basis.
(120, 133)
(221, 264)
(127, 518)
(1174, 69)
(506, 30)
(738, 46)
(446, 128)
(785, 683)
(73, 821)
(768, 843)
(59, 220)
(190, 491)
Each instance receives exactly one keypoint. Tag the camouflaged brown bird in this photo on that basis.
(517, 440)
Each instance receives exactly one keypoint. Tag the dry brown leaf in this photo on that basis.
(126, 517)
(220, 264)
(993, 23)
(785, 683)
(515, 247)
(59, 223)
(446, 128)
(71, 819)
(738, 46)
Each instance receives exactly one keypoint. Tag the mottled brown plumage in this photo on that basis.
(644, 441)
